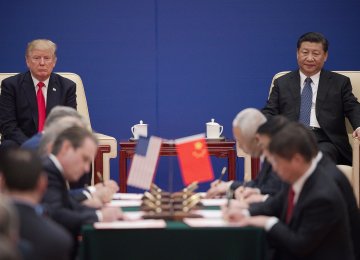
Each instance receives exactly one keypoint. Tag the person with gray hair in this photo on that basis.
(267, 183)
(56, 114)
(27, 98)
(60, 119)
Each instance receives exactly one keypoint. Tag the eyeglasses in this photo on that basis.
(38, 59)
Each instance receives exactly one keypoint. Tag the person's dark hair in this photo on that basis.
(273, 125)
(21, 170)
(314, 37)
(294, 138)
(75, 135)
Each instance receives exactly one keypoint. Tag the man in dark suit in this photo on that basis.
(20, 116)
(331, 99)
(25, 183)
(267, 182)
(72, 154)
(308, 218)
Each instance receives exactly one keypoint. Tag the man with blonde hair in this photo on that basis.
(27, 98)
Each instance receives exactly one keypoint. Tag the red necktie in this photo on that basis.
(290, 205)
(41, 106)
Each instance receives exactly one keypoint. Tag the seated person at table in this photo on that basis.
(59, 119)
(308, 218)
(267, 182)
(25, 182)
(71, 156)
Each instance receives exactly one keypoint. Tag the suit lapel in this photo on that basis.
(304, 193)
(53, 94)
(294, 88)
(323, 90)
(29, 88)
(264, 170)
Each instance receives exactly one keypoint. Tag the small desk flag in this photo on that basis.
(194, 159)
(144, 162)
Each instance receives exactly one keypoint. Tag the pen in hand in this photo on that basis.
(229, 196)
(100, 178)
(221, 175)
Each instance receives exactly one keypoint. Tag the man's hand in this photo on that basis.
(104, 194)
(217, 188)
(255, 221)
(242, 193)
(356, 133)
(93, 202)
(111, 214)
(255, 198)
(233, 214)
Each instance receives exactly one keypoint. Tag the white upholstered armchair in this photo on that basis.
(107, 144)
(352, 172)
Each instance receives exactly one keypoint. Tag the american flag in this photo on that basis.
(144, 162)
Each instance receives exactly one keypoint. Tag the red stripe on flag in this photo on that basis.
(143, 168)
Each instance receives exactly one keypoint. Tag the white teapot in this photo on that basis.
(213, 129)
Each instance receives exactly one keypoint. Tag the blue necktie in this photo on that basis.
(306, 102)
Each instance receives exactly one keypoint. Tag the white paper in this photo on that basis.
(212, 222)
(145, 223)
(208, 213)
(127, 196)
(124, 203)
(133, 215)
(213, 202)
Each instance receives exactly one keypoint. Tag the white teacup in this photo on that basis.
(213, 129)
(139, 130)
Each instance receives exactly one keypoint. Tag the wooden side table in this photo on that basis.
(217, 148)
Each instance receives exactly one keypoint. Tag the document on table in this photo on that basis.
(145, 223)
(213, 202)
(124, 203)
(210, 222)
(128, 196)
(133, 215)
(208, 213)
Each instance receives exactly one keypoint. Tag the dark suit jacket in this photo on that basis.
(266, 181)
(47, 239)
(348, 194)
(334, 102)
(62, 207)
(319, 227)
(18, 104)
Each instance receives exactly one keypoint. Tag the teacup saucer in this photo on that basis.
(221, 138)
(133, 139)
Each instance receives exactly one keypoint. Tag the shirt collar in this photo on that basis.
(315, 78)
(298, 185)
(55, 160)
(36, 81)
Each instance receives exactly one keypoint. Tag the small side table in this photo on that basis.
(217, 148)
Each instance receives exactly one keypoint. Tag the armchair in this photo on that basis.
(107, 145)
(351, 172)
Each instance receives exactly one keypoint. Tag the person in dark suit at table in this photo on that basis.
(27, 98)
(318, 98)
(25, 183)
(267, 182)
(308, 219)
(72, 154)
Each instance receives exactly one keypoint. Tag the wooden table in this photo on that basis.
(217, 148)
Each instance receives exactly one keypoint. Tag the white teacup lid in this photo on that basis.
(212, 122)
(141, 123)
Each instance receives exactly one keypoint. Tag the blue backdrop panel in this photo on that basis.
(176, 64)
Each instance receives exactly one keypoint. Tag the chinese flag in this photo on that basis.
(194, 159)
